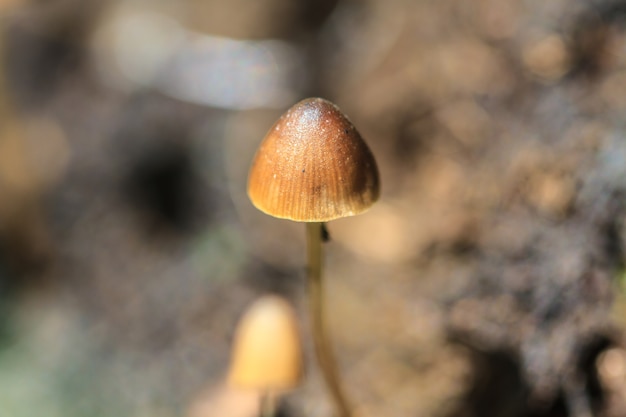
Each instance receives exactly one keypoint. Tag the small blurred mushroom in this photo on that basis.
(267, 351)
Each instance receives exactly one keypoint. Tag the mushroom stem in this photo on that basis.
(323, 350)
(268, 405)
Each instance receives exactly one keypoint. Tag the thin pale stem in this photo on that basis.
(268, 405)
(323, 350)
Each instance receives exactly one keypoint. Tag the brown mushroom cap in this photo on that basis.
(313, 166)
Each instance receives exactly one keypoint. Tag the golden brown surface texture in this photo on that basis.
(313, 166)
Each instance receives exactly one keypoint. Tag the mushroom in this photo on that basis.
(313, 166)
(267, 351)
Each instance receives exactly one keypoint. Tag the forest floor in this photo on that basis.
(488, 280)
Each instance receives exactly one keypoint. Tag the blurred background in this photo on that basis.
(487, 281)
